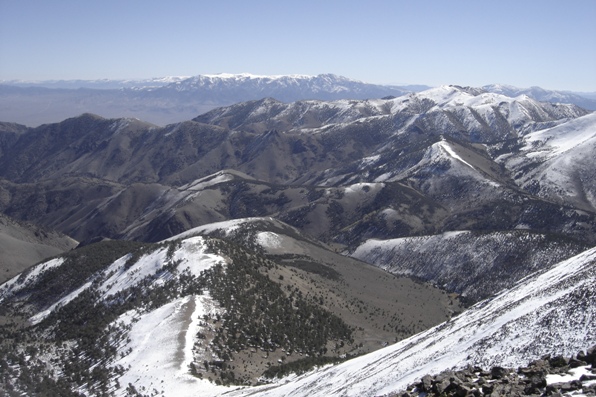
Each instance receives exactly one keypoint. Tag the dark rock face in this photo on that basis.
(498, 381)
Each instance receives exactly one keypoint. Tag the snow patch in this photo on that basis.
(160, 348)
(228, 227)
(269, 240)
(36, 319)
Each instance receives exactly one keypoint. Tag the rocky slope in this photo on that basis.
(548, 375)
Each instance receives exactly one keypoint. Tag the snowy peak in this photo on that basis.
(517, 109)
(322, 81)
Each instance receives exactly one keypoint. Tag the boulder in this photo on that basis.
(426, 384)
(498, 372)
(591, 356)
(558, 361)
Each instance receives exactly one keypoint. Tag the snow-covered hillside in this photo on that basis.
(150, 342)
(192, 313)
(474, 264)
(548, 313)
(557, 163)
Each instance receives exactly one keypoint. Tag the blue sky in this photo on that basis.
(525, 43)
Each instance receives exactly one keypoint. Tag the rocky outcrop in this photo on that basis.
(548, 376)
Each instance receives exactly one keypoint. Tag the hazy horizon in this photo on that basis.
(523, 44)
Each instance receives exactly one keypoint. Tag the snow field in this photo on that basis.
(160, 347)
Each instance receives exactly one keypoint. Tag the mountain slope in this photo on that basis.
(23, 245)
(326, 139)
(543, 95)
(473, 264)
(548, 313)
(200, 309)
(556, 163)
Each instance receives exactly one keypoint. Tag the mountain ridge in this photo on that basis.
(168, 100)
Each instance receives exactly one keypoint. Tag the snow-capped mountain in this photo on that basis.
(173, 99)
(286, 88)
(169, 99)
(99, 84)
(540, 94)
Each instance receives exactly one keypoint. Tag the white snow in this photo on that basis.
(227, 226)
(250, 76)
(191, 254)
(363, 189)
(123, 278)
(211, 180)
(559, 162)
(574, 374)
(559, 139)
(43, 314)
(269, 240)
(161, 345)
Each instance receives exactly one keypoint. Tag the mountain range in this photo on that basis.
(261, 239)
(173, 99)
(170, 99)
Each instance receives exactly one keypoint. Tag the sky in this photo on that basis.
(546, 43)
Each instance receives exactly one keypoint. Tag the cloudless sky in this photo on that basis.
(547, 43)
